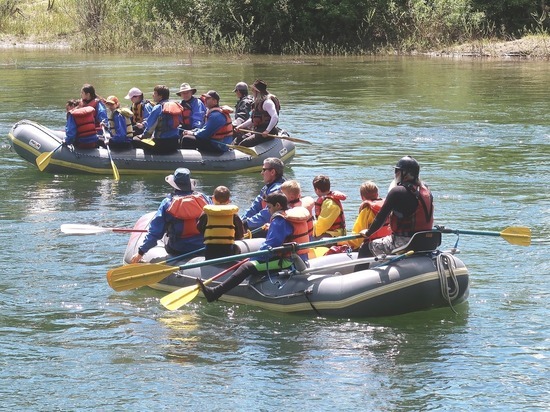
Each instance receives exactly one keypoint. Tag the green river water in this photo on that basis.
(481, 132)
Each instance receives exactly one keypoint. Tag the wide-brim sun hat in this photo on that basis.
(181, 180)
(186, 87)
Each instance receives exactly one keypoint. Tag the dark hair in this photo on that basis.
(322, 183)
(88, 88)
(277, 197)
(163, 91)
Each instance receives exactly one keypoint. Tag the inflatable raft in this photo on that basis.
(29, 140)
(334, 285)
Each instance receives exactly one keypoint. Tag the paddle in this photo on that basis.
(76, 229)
(516, 235)
(246, 150)
(182, 296)
(292, 139)
(136, 275)
(150, 142)
(43, 160)
(107, 135)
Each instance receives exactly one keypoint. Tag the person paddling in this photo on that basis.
(409, 206)
(285, 226)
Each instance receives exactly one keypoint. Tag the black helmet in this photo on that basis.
(408, 165)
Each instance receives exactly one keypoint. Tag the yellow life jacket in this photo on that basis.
(220, 229)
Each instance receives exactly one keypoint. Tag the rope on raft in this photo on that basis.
(449, 287)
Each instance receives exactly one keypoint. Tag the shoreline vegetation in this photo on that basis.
(438, 28)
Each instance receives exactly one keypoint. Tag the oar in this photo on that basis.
(43, 160)
(76, 229)
(182, 296)
(292, 139)
(516, 235)
(149, 142)
(136, 275)
(107, 135)
(246, 150)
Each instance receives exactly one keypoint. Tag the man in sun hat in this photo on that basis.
(244, 104)
(141, 108)
(264, 117)
(177, 218)
(194, 109)
(217, 131)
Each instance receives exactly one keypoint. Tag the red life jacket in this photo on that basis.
(93, 104)
(298, 218)
(188, 209)
(375, 206)
(261, 118)
(421, 219)
(337, 197)
(226, 129)
(84, 118)
(187, 112)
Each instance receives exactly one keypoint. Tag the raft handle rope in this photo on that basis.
(449, 290)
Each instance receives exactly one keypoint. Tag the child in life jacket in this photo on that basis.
(370, 206)
(221, 225)
(329, 212)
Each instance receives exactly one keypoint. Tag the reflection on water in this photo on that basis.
(479, 132)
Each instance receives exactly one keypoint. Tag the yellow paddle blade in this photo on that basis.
(115, 170)
(246, 150)
(137, 275)
(517, 235)
(180, 297)
(43, 160)
(150, 142)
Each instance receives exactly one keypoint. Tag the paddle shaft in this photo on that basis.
(264, 252)
(292, 139)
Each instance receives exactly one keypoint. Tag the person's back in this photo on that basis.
(220, 225)
(329, 212)
(80, 129)
(176, 217)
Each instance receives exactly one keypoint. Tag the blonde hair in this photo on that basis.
(368, 190)
(291, 188)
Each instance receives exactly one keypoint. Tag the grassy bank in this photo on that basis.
(136, 26)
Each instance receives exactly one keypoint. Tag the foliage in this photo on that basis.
(272, 26)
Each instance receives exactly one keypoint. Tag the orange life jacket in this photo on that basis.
(298, 218)
(375, 206)
(226, 129)
(421, 219)
(188, 209)
(137, 110)
(337, 197)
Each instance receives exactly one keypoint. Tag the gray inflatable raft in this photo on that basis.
(332, 286)
(29, 140)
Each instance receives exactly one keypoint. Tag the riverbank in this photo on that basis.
(529, 47)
